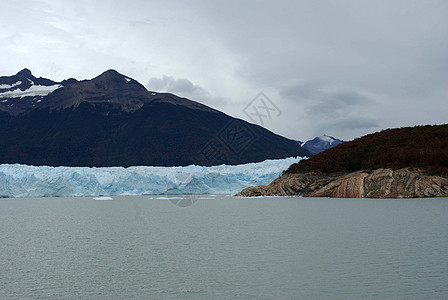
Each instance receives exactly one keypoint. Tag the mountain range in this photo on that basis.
(112, 120)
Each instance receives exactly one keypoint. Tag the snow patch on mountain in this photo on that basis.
(32, 91)
(9, 86)
(30, 181)
(326, 138)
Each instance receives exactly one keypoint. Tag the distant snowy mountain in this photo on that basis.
(112, 120)
(320, 143)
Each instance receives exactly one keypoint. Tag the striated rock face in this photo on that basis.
(380, 183)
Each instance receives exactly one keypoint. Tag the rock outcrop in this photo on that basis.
(379, 183)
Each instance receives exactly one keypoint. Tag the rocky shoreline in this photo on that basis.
(379, 183)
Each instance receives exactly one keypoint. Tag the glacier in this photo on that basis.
(23, 181)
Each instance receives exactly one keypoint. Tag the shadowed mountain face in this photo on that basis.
(112, 120)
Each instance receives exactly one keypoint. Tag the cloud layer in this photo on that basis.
(344, 68)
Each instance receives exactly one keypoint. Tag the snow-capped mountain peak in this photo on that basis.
(32, 91)
(23, 91)
(327, 139)
(321, 143)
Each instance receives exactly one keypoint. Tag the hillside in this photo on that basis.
(393, 163)
(422, 147)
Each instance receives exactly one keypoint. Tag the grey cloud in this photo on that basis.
(301, 91)
(348, 127)
(346, 98)
(179, 86)
(339, 111)
(356, 123)
(322, 100)
(184, 88)
(387, 59)
(393, 50)
(339, 102)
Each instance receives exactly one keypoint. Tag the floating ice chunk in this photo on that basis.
(169, 198)
(103, 198)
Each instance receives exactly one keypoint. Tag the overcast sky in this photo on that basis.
(344, 68)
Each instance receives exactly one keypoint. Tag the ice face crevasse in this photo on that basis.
(30, 181)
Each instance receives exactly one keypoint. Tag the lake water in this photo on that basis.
(222, 247)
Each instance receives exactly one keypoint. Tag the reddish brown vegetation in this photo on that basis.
(423, 147)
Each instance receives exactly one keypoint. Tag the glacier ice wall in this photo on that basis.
(43, 181)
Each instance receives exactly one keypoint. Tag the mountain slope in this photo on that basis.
(112, 120)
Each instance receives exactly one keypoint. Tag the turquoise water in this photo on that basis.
(222, 247)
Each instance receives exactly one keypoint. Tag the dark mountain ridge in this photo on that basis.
(112, 120)
(26, 78)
